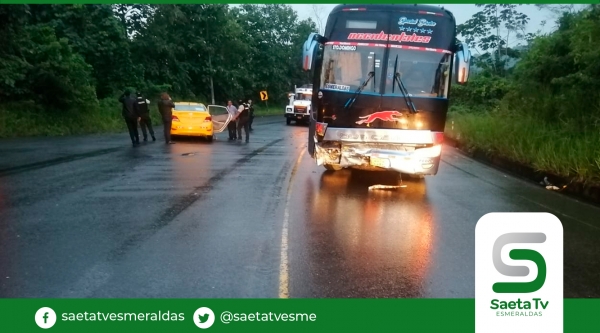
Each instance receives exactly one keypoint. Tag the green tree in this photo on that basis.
(94, 32)
(492, 32)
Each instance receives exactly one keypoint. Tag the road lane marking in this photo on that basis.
(283, 266)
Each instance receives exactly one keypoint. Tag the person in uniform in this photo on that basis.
(251, 119)
(243, 117)
(232, 126)
(165, 107)
(130, 114)
(145, 120)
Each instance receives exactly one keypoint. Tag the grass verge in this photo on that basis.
(562, 150)
(260, 110)
(27, 120)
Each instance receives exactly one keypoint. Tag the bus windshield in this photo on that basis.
(346, 67)
(424, 73)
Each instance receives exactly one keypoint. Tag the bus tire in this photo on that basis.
(288, 121)
(414, 178)
(333, 167)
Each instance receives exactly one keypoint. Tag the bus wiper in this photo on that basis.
(358, 91)
(374, 61)
(397, 79)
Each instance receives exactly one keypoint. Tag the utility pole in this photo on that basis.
(212, 88)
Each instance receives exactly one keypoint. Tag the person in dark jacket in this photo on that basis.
(243, 117)
(251, 118)
(145, 120)
(165, 107)
(130, 114)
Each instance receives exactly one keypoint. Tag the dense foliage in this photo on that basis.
(544, 109)
(69, 57)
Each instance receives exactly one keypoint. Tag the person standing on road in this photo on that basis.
(165, 107)
(232, 124)
(145, 120)
(243, 116)
(130, 114)
(251, 119)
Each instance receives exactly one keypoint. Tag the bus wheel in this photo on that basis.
(333, 167)
(414, 178)
(288, 121)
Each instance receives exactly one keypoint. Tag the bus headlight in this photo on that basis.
(434, 151)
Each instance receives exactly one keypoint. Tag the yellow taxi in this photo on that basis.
(196, 119)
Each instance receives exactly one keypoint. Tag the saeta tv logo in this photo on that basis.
(518, 273)
(519, 254)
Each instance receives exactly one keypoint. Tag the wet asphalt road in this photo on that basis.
(91, 216)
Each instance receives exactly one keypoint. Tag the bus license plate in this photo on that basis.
(380, 162)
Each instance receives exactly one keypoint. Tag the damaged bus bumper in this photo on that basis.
(412, 152)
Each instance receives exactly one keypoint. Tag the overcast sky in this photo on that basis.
(461, 12)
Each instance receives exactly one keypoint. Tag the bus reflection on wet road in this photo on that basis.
(377, 243)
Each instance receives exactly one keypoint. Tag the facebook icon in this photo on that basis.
(45, 317)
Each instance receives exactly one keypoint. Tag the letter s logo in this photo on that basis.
(519, 254)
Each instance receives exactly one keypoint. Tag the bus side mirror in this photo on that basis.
(309, 51)
(462, 63)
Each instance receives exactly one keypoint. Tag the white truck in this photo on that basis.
(299, 106)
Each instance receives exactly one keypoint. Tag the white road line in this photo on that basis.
(283, 266)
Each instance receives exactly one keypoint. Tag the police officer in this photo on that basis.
(130, 114)
(165, 108)
(243, 117)
(145, 120)
(251, 119)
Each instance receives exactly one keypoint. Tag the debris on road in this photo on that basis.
(188, 154)
(385, 187)
(545, 182)
(550, 186)
(555, 188)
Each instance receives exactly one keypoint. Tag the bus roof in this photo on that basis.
(427, 9)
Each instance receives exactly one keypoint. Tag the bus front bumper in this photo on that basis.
(417, 156)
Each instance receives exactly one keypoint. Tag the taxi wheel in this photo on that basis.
(210, 138)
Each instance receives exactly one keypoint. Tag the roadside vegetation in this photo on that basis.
(533, 98)
(26, 119)
(63, 67)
